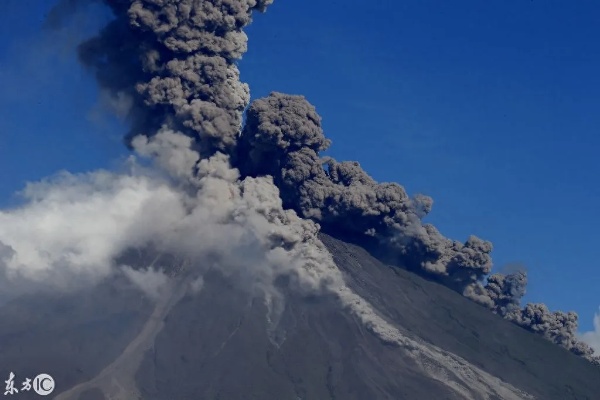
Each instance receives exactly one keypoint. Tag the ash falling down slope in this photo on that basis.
(203, 271)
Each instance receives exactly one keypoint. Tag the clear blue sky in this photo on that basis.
(490, 107)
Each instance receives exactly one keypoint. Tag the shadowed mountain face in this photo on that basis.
(72, 336)
(439, 316)
(224, 343)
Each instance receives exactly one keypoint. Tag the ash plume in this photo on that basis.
(558, 327)
(502, 293)
(263, 189)
(175, 62)
(507, 290)
(283, 138)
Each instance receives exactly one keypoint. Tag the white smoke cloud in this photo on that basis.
(592, 338)
(170, 150)
(71, 228)
(241, 221)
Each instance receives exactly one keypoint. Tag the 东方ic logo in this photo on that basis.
(42, 384)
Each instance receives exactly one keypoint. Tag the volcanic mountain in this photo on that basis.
(219, 342)
(230, 260)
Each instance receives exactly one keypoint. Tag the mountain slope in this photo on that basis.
(443, 318)
(325, 353)
(225, 343)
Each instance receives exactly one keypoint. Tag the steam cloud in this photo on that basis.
(170, 65)
(71, 226)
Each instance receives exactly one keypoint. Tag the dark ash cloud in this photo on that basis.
(170, 65)
(283, 138)
(176, 62)
(558, 327)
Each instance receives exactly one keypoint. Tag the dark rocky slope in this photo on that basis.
(217, 344)
(442, 317)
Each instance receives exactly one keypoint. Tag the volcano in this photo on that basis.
(232, 260)
(221, 342)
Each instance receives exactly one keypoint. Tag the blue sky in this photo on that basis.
(491, 108)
